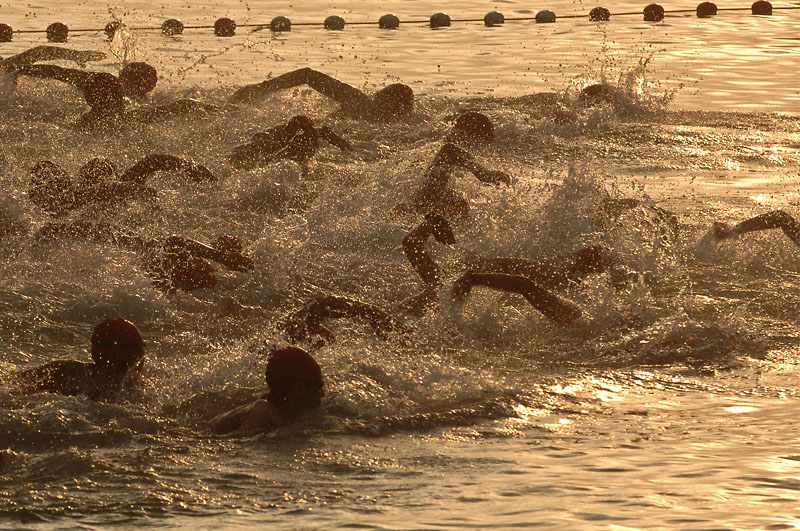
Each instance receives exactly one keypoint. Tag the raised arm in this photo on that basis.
(51, 53)
(140, 171)
(342, 93)
(551, 306)
(452, 155)
(72, 76)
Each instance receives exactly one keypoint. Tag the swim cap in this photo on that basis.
(299, 123)
(47, 172)
(117, 342)
(104, 91)
(227, 244)
(98, 169)
(138, 78)
(395, 100)
(190, 272)
(592, 259)
(290, 365)
(475, 125)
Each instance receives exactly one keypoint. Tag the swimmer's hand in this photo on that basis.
(200, 174)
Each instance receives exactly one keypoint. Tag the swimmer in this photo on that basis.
(137, 79)
(295, 389)
(435, 194)
(596, 94)
(296, 140)
(776, 219)
(173, 263)
(9, 67)
(53, 191)
(390, 103)
(117, 360)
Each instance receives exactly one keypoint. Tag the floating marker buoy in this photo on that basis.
(388, 22)
(111, 28)
(653, 13)
(224, 27)
(172, 26)
(706, 9)
(280, 24)
(6, 33)
(545, 16)
(440, 20)
(334, 22)
(599, 14)
(762, 7)
(493, 18)
(57, 32)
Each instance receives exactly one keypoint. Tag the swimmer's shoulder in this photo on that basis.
(66, 377)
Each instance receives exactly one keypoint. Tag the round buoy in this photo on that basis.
(224, 27)
(706, 9)
(545, 16)
(6, 33)
(599, 14)
(57, 32)
(280, 24)
(493, 18)
(388, 21)
(334, 22)
(172, 26)
(111, 28)
(440, 20)
(653, 13)
(762, 7)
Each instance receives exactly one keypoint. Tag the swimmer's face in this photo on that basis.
(304, 395)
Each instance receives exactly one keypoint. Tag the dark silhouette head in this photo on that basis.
(190, 272)
(117, 345)
(47, 172)
(395, 100)
(96, 170)
(593, 259)
(138, 79)
(473, 127)
(299, 123)
(294, 379)
(104, 93)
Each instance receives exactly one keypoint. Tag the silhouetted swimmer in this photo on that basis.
(776, 219)
(9, 67)
(296, 388)
(435, 195)
(100, 185)
(117, 360)
(174, 263)
(136, 79)
(389, 103)
(596, 94)
(297, 140)
(105, 95)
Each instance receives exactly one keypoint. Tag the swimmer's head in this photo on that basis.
(190, 272)
(593, 259)
(299, 123)
(395, 100)
(472, 127)
(597, 93)
(138, 79)
(227, 244)
(294, 379)
(117, 345)
(97, 170)
(104, 92)
(47, 172)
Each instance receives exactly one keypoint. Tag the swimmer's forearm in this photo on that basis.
(51, 53)
(139, 172)
(67, 75)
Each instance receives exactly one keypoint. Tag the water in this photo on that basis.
(672, 405)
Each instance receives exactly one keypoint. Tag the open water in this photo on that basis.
(672, 405)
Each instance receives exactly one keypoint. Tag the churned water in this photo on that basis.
(672, 404)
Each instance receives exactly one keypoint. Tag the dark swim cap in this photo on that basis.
(395, 100)
(138, 78)
(476, 126)
(190, 272)
(98, 169)
(117, 343)
(593, 259)
(227, 244)
(291, 365)
(104, 91)
(47, 172)
(299, 123)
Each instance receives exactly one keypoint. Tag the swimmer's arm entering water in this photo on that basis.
(777, 219)
(334, 139)
(75, 77)
(452, 155)
(153, 163)
(50, 53)
(352, 100)
(551, 306)
(186, 106)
